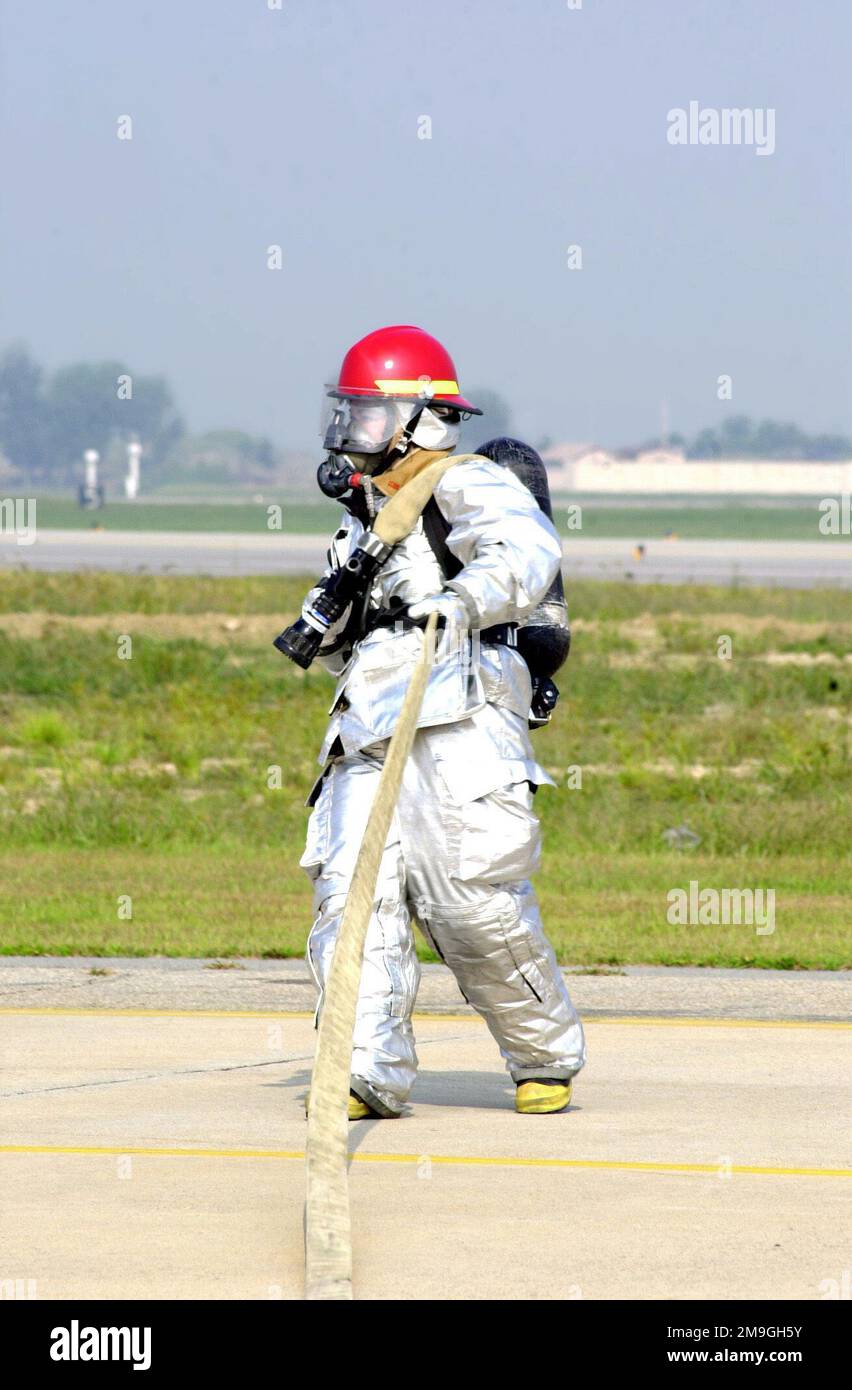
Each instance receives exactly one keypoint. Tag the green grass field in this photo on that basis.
(648, 521)
(148, 779)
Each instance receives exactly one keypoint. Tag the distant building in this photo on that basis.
(589, 468)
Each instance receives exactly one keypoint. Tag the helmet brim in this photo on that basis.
(459, 402)
(363, 393)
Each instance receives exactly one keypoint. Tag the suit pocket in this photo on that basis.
(497, 838)
(318, 834)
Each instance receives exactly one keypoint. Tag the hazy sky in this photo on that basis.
(299, 126)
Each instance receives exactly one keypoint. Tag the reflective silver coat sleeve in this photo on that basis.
(509, 549)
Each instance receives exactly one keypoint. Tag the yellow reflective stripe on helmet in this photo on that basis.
(414, 388)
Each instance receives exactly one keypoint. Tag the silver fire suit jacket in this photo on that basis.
(510, 554)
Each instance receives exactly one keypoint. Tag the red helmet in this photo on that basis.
(400, 362)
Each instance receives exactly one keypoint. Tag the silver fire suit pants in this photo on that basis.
(462, 868)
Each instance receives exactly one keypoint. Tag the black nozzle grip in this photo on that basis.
(300, 642)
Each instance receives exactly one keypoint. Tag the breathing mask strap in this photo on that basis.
(401, 442)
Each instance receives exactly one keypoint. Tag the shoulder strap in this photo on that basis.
(436, 529)
(398, 517)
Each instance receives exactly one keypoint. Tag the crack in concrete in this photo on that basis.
(211, 1070)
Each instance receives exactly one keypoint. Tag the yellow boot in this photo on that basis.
(358, 1109)
(543, 1097)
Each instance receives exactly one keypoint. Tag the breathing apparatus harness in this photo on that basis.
(340, 478)
(544, 640)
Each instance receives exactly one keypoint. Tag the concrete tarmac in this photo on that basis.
(252, 985)
(160, 1155)
(794, 564)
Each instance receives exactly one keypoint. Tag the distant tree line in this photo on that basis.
(48, 420)
(741, 437)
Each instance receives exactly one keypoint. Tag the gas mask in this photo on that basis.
(368, 425)
(359, 432)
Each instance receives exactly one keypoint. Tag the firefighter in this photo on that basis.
(464, 842)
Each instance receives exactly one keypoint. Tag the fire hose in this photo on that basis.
(328, 1236)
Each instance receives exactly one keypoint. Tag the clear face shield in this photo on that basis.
(368, 424)
(362, 425)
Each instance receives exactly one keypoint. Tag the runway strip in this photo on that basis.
(794, 564)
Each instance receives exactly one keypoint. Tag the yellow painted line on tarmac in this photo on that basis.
(639, 1022)
(97, 1151)
(163, 1013)
(629, 1021)
(450, 1160)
